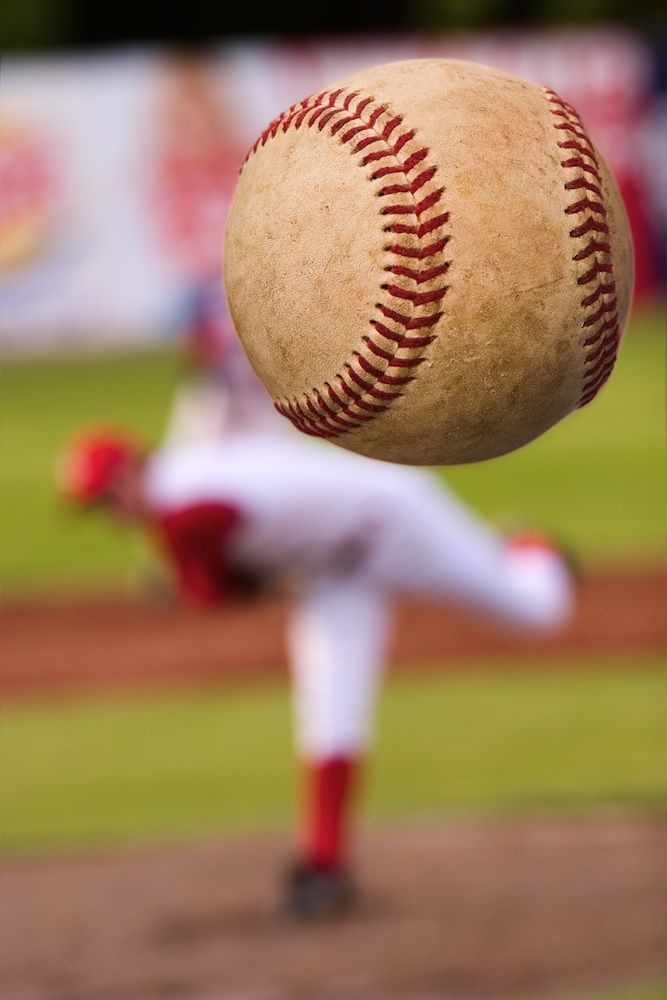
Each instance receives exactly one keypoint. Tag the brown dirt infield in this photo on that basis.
(546, 908)
(100, 644)
(456, 911)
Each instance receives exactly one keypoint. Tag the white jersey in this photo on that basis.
(303, 506)
(352, 533)
(312, 510)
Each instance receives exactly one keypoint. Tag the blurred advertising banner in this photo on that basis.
(116, 171)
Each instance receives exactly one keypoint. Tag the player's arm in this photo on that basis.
(195, 540)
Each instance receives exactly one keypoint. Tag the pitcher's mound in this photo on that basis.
(452, 911)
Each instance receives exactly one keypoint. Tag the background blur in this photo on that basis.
(118, 169)
(120, 142)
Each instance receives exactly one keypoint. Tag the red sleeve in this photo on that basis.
(195, 540)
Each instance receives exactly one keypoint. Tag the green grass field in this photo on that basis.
(597, 479)
(122, 770)
(655, 992)
(83, 773)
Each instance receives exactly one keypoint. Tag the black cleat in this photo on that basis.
(313, 895)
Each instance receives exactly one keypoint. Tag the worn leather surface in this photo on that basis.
(514, 319)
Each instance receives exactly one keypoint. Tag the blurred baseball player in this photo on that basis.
(346, 535)
(219, 393)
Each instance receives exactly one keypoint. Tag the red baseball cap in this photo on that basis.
(92, 461)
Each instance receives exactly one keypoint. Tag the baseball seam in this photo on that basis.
(601, 327)
(389, 355)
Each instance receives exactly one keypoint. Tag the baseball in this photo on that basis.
(428, 262)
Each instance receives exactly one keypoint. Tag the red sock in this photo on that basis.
(330, 786)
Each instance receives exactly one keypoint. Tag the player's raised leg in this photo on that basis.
(440, 547)
(337, 642)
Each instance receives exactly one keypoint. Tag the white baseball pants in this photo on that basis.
(435, 547)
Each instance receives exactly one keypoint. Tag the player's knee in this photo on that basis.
(318, 736)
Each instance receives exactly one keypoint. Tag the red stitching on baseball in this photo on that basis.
(390, 126)
(341, 122)
(376, 114)
(368, 386)
(325, 118)
(420, 276)
(295, 420)
(596, 353)
(363, 124)
(359, 400)
(350, 134)
(392, 151)
(571, 128)
(405, 362)
(410, 323)
(376, 349)
(597, 268)
(600, 305)
(584, 150)
(423, 229)
(417, 298)
(602, 289)
(420, 253)
(590, 226)
(369, 141)
(331, 393)
(417, 209)
(402, 168)
(593, 247)
(592, 387)
(299, 415)
(322, 403)
(581, 182)
(369, 368)
(555, 99)
(402, 340)
(415, 185)
(605, 308)
(586, 203)
(576, 161)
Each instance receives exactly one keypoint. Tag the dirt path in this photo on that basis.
(87, 645)
(457, 911)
